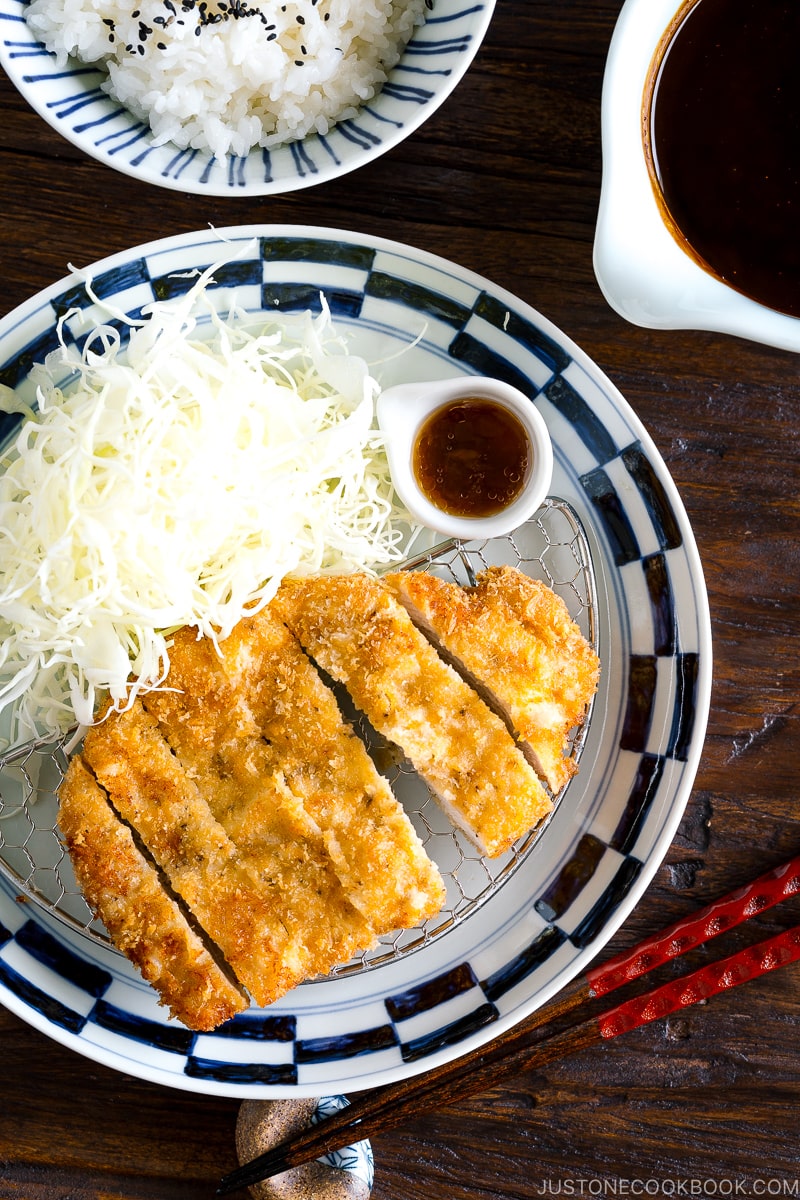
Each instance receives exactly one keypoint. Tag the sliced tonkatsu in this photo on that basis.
(231, 830)
(258, 728)
(126, 893)
(273, 929)
(240, 792)
(515, 639)
(356, 630)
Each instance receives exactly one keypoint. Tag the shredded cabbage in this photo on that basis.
(175, 482)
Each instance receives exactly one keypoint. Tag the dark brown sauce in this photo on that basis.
(472, 457)
(724, 142)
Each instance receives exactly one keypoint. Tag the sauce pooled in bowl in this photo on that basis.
(471, 457)
(722, 137)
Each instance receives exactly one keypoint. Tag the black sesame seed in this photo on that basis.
(298, 62)
(300, 19)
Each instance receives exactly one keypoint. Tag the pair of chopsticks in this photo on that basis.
(520, 1048)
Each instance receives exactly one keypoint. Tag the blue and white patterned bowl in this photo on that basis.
(412, 316)
(73, 102)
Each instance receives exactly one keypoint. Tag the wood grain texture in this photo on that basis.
(504, 179)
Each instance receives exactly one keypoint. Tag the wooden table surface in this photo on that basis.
(504, 180)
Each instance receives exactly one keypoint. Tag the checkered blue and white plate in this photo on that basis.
(617, 818)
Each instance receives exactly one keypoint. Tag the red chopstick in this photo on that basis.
(521, 1048)
(687, 933)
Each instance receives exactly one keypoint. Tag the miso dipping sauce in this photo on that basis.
(722, 135)
(472, 457)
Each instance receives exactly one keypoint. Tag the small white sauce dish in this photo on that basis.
(643, 272)
(403, 409)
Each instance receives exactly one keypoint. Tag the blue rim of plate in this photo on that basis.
(71, 99)
(617, 818)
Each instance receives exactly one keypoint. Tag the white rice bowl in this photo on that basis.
(225, 76)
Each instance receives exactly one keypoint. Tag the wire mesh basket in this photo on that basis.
(552, 547)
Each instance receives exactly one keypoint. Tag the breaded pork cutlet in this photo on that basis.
(252, 721)
(125, 891)
(273, 930)
(358, 632)
(514, 638)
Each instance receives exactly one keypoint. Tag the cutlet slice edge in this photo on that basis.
(544, 616)
(455, 620)
(359, 632)
(151, 792)
(310, 757)
(372, 843)
(145, 923)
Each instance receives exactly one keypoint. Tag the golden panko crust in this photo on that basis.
(358, 632)
(514, 637)
(231, 829)
(125, 891)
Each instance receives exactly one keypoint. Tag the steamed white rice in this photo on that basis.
(224, 75)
